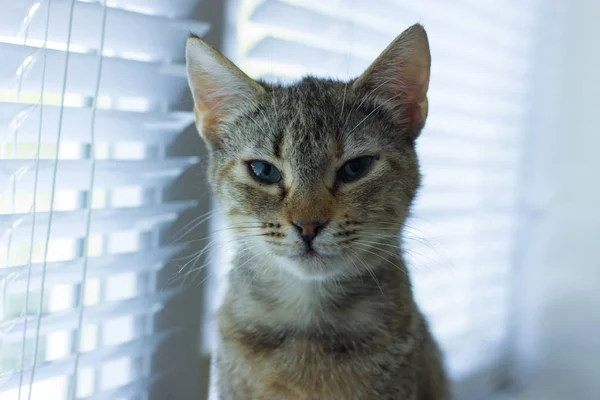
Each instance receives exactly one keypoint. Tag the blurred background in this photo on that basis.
(105, 292)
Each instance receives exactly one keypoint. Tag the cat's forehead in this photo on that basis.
(309, 124)
(310, 127)
(311, 105)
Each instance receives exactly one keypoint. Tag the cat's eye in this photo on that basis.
(264, 172)
(355, 169)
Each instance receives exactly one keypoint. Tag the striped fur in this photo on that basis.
(342, 324)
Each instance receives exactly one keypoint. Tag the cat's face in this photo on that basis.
(318, 176)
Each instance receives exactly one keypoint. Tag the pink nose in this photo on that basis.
(308, 231)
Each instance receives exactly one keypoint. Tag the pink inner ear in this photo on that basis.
(218, 87)
(419, 115)
(208, 127)
(406, 100)
(416, 98)
(399, 78)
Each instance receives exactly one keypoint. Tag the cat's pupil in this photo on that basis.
(355, 169)
(266, 169)
(354, 166)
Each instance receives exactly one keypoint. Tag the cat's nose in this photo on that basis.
(308, 231)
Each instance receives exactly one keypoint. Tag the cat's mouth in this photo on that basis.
(309, 253)
(312, 264)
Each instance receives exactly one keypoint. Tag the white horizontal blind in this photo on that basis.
(83, 168)
(460, 241)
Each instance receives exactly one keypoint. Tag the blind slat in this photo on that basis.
(131, 390)
(110, 124)
(74, 174)
(73, 223)
(383, 17)
(12, 329)
(50, 369)
(128, 34)
(162, 7)
(69, 272)
(120, 77)
(464, 177)
(433, 202)
(343, 61)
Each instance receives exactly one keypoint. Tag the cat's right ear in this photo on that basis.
(218, 87)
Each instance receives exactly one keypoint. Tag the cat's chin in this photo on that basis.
(312, 266)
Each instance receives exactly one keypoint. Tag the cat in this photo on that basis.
(316, 180)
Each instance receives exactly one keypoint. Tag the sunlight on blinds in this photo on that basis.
(89, 100)
(459, 242)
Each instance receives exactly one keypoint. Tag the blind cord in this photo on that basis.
(81, 305)
(35, 187)
(52, 195)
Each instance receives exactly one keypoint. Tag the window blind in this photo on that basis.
(90, 96)
(459, 243)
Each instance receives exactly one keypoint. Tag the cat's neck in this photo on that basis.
(267, 294)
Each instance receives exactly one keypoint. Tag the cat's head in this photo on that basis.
(318, 176)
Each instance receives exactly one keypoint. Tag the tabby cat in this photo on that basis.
(316, 180)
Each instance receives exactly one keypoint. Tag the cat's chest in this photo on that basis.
(306, 365)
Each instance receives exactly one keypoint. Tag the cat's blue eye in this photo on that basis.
(264, 172)
(355, 169)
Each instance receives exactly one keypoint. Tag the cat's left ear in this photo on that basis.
(399, 78)
(219, 88)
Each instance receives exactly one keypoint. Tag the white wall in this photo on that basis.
(559, 281)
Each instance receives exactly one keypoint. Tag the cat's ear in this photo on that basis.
(218, 87)
(399, 78)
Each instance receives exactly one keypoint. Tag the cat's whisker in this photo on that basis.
(376, 222)
(211, 245)
(241, 250)
(196, 222)
(248, 260)
(263, 268)
(370, 271)
(197, 269)
(376, 244)
(205, 278)
(194, 259)
(208, 247)
(419, 239)
(382, 235)
(366, 248)
(425, 242)
(445, 263)
(234, 237)
(240, 227)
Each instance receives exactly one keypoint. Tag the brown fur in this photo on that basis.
(340, 323)
(381, 357)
